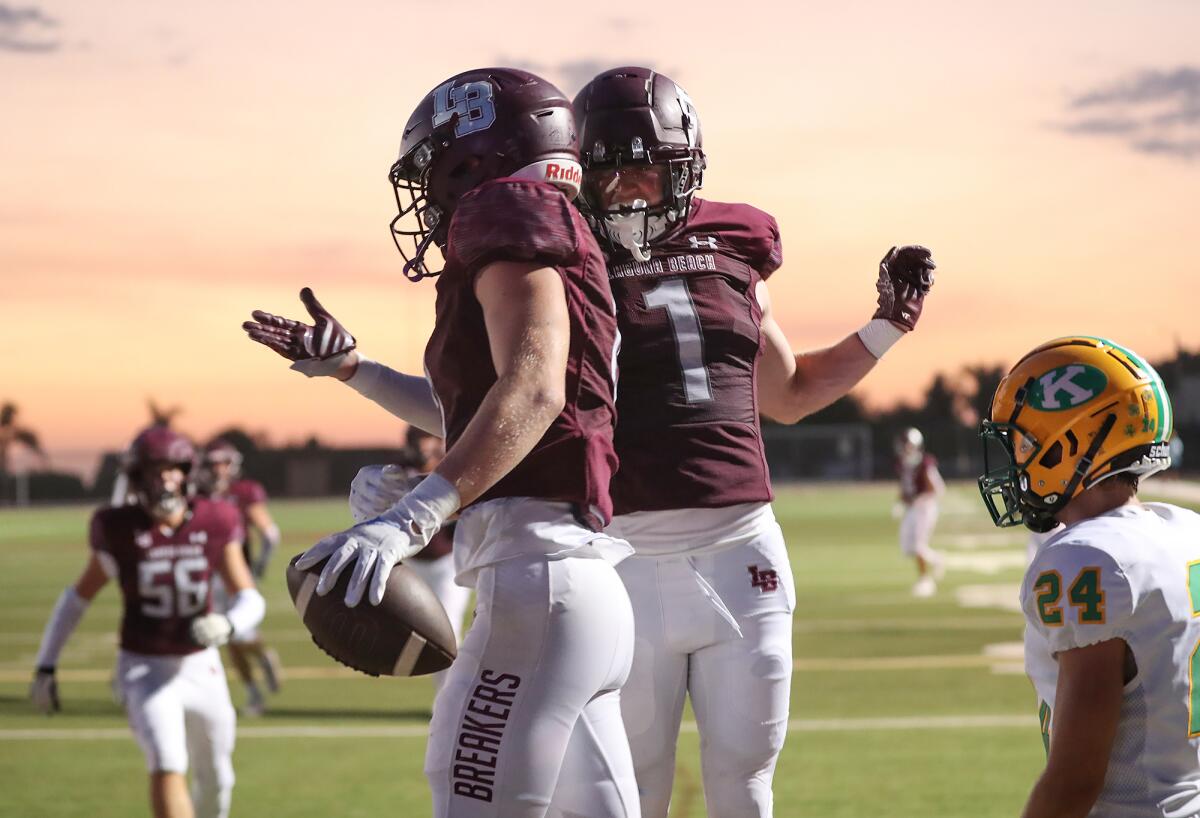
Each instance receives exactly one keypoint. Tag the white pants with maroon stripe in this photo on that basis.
(528, 722)
(713, 617)
(182, 716)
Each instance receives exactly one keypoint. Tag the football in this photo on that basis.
(407, 634)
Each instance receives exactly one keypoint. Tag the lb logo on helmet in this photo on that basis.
(1066, 387)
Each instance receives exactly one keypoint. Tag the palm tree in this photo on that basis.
(162, 416)
(11, 433)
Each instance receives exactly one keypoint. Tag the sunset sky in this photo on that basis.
(167, 167)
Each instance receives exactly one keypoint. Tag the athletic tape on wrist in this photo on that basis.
(878, 336)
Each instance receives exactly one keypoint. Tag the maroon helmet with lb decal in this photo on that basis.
(478, 125)
(148, 458)
(642, 157)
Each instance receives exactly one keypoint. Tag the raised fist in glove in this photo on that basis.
(375, 489)
(905, 277)
(211, 630)
(315, 350)
(379, 543)
(43, 692)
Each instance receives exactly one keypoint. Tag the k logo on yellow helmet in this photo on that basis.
(1071, 413)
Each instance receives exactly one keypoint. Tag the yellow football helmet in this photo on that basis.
(1071, 413)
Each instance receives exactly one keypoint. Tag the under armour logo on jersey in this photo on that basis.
(143, 539)
(766, 581)
(703, 241)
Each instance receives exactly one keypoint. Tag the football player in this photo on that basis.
(520, 366)
(701, 358)
(219, 477)
(378, 488)
(921, 485)
(1112, 599)
(165, 551)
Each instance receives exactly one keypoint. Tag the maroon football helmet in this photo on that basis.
(218, 451)
(150, 451)
(642, 156)
(478, 125)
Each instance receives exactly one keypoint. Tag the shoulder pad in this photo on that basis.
(220, 518)
(514, 220)
(249, 492)
(752, 234)
(1076, 594)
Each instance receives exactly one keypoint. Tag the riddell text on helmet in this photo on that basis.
(481, 733)
(564, 173)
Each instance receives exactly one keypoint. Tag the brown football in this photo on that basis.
(407, 634)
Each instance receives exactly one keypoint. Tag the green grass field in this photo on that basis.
(900, 706)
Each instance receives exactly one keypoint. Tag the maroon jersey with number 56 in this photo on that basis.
(165, 577)
(518, 220)
(688, 432)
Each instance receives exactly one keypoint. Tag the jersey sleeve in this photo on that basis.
(512, 220)
(1075, 595)
(767, 247)
(98, 534)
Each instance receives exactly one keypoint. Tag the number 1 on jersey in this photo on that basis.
(673, 296)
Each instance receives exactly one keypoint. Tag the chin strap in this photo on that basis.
(1047, 516)
(629, 230)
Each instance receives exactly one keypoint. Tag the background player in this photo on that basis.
(710, 582)
(1111, 599)
(921, 486)
(164, 551)
(378, 488)
(219, 477)
(521, 361)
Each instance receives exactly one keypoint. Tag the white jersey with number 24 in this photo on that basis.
(1131, 574)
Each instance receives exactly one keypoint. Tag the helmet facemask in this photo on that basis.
(1005, 483)
(418, 222)
(669, 176)
(217, 472)
(162, 499)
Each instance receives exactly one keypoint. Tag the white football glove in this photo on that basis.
(211, 630)
(43, 692)
(381, 542)
(375, 489)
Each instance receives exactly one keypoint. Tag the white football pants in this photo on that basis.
(181, 715)
(439, 575)
(716, 625)
(528, 722)
(916, 528)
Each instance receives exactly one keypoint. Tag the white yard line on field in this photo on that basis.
(832, 664)
(105, 674)
(420, 731)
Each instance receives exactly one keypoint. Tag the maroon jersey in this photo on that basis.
(688, 432)
(247, 493)
(517, 220)
(165, 578)
(916, 480)
(243, 494)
